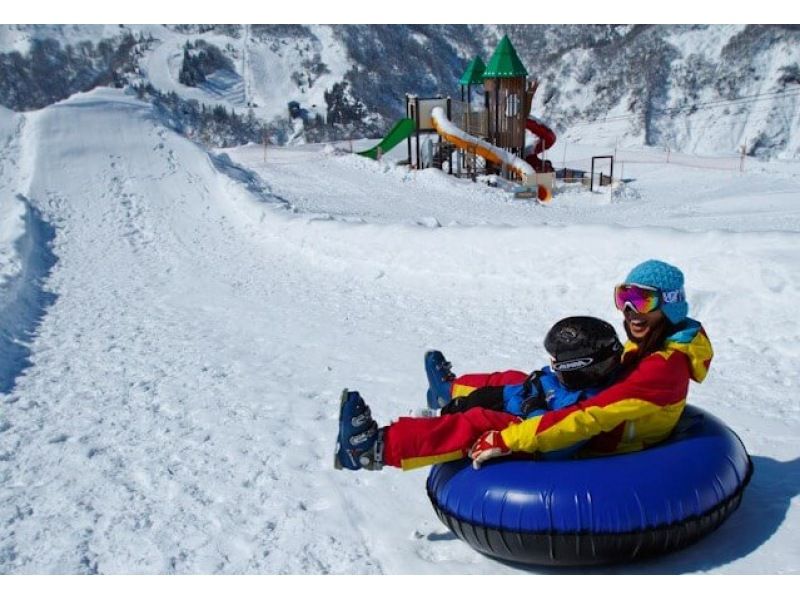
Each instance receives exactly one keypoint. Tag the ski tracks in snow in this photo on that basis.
(158, 429)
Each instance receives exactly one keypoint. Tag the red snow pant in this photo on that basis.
(413, 442)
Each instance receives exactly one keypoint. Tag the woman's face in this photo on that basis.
(640, 325)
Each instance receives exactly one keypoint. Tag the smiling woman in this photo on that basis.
(665, 350)
(653, 302)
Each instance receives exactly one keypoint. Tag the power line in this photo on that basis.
(694, 107)
(713, 125)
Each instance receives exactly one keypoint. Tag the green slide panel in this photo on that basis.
(402, 129)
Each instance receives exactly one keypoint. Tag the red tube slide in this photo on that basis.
(546, 138)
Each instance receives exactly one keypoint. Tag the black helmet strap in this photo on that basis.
(533, 392)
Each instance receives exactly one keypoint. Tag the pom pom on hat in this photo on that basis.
(669, 280)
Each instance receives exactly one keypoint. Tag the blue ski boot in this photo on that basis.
(359, 444)
(440, 379)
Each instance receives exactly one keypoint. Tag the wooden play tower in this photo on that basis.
(495, 101)
(508, 98)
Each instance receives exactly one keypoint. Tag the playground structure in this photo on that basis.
(480, 137)
(485, 132)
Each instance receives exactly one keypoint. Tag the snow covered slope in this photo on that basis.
(269, 72)
(200, 314)
(700, 89)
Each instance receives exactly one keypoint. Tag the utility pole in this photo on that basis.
(244, 65)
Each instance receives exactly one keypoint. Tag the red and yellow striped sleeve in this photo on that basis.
(653, 393)
(699, 352)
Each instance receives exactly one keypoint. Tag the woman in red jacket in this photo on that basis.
(665, 350)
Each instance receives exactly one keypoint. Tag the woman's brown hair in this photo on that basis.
(652, 343)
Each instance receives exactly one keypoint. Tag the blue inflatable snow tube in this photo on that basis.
(599, 510)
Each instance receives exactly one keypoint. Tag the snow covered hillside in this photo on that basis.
(181, 323)
(700, 89)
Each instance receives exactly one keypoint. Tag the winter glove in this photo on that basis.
(488, 446)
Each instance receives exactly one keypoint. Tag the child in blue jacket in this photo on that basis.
(585, 356)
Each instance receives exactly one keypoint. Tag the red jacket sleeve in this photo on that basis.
(656, 389)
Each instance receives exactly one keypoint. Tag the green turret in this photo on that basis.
(505, 62)
(474, 73)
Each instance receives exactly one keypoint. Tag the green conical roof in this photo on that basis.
(504, 63)
(474, 73)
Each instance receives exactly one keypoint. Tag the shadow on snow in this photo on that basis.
(23, 299)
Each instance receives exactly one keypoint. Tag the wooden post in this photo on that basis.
(474, 166)
(744, 153)
(408, 139)
(461, 152)
(488, 120)
(449, 155)
(416, 118)
(244, 65)
(591, 179)
(496, 139)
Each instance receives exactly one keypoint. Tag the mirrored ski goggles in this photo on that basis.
(640, 299)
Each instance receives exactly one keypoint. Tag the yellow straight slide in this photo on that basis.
(463, 140)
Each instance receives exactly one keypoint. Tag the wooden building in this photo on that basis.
(507, 98)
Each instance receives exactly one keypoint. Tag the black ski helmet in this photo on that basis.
(585, 351)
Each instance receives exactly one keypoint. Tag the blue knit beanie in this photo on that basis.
(669, 280)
